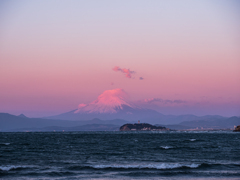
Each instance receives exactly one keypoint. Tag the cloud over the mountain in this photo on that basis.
(128, 73)
(163, 105)
(162, 101)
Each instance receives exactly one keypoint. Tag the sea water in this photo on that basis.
(120, 155)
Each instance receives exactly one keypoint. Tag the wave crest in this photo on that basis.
(166, 147)
(11, 167)
(148, 166)
(142, 166)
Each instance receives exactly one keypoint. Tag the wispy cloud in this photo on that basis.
(128, 73)
(163, 101)
(151, 100)
(141, 78)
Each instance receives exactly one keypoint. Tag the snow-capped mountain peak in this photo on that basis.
(108, 102)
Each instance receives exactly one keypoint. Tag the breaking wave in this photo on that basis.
(11, 167)
(166, 147)
(148, 166)
(143, 166)
(160, 166)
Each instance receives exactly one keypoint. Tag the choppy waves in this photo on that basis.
(121, 155)
(160, 166)
(121, 171)
(148, 169)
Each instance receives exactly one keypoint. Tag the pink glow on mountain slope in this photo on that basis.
(107, 102)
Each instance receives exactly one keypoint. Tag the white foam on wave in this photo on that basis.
(192, 139)
(6, 144)
(149, 166)
(166, 147)
(10, 167)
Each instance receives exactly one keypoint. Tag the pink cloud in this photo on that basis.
(128, 73)
(82, 105)
(150, 100)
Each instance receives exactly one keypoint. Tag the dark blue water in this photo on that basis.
(120, 155)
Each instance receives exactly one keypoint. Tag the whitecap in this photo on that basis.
(6, 144)
(176, 165)
(10, 167)
(192, 139)
(166, 147)
(149, 166)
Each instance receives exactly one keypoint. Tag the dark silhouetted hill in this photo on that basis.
(141, 127)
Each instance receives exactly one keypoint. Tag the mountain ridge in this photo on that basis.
(112, 104)
(10, 123)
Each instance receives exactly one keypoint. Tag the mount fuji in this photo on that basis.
(111, 104)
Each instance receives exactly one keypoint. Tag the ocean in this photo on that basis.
(120, 155)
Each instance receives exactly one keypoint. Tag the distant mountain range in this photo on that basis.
(133, 114)
(10, 122)
(109, 111)
(215, 123)
(112, 104)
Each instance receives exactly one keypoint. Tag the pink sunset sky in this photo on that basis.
(177, 57)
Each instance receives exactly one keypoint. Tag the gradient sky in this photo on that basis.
(55, 55)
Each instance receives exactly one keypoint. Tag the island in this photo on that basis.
(142, 127)
(237, 129)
